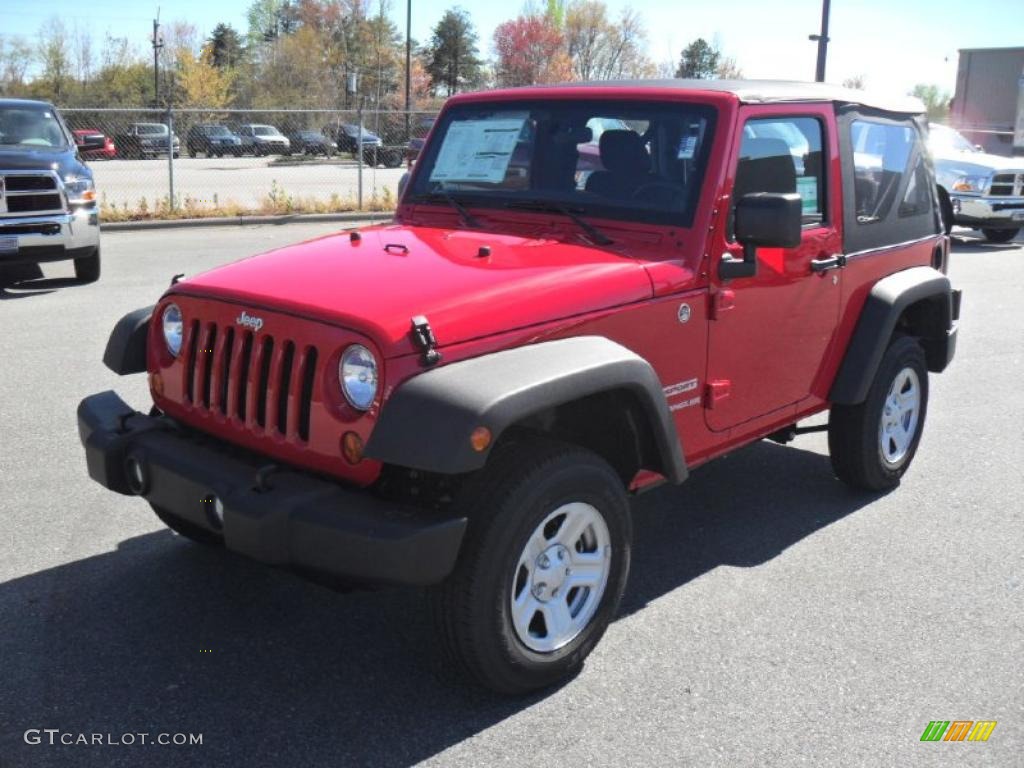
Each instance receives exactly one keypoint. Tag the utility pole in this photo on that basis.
(822, 39)
(408, 67)
(158, 43)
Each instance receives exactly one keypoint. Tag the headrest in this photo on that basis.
(623, 152)
(765, 166)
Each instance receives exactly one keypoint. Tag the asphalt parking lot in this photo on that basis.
(243, 180)
(772, 617)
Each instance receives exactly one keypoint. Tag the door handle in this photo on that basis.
(836, 261)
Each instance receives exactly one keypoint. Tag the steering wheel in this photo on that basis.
(667, 188)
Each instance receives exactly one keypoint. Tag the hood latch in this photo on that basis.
(424, 338)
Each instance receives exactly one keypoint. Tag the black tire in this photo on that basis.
(855, 437)
(946, 209)
(524, 482)
(1000, 235)
(187, 529)
(87, 268)
(191, 152)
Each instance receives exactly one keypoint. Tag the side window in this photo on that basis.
(881, 153)
(784, 155)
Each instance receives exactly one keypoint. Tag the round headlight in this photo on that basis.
(358, 374)
(173, 328)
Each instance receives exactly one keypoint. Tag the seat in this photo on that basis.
(626, 165)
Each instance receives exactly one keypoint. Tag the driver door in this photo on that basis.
(771, 333)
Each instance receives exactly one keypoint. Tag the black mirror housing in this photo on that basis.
(769, 219)
(763, 219)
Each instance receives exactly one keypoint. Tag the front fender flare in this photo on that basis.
(427, 422)
(126, 347)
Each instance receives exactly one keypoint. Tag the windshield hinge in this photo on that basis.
(424, 338)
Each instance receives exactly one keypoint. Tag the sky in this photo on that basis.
(894, 44)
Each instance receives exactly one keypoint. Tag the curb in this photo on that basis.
(229, 221)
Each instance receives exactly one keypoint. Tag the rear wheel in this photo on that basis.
(87, 268)
(872, 444)
(999, 235)
(542, 568)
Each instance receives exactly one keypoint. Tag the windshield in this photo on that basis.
(31, 127)
(943, 139)
(152, 129)
(265, 130)
(647, 165)
(217, 130)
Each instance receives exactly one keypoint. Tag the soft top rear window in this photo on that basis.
(631, 160)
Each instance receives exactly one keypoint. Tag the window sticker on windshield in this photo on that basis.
(477, 150)
(687, 148)
(807, 188)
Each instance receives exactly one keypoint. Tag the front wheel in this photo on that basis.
(872, 444)
(1000, 235)
(543, 566)
(87, 268)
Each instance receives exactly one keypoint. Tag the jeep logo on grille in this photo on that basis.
(250, 321)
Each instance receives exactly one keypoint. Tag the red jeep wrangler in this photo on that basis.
(467, 397)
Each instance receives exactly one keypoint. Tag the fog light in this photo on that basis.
(214, 511)
(135, 474)
(352, 447)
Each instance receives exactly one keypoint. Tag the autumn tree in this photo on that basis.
(699, 60)
(453, 61)
(530, 49)
(15, 57)
(199, 82)
(856, 82)
(54, 54)
(600, 49)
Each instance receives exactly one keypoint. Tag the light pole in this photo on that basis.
(157, 45)
(408, 67)
(822, 39)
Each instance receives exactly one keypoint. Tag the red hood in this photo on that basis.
(377, 290)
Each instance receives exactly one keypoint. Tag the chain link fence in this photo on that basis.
(209, 161)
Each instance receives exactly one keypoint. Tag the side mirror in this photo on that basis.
(763, 219)
(92, 141)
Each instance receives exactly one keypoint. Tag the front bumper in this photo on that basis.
(51, 237)
(280, 517)
(993, 212)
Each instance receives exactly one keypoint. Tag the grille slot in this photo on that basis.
(260, 385)
(15, 183)
(283, 385)
(30, 203)
(266, 351)
(1006, 185)
(309, 371)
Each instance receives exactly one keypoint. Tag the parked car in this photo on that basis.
(263, 140)
(312, 143)
(143, 140)
(420, 130)
(212, 140)
(88, 139)
(48, 209)
(466, 397)
(977, 189)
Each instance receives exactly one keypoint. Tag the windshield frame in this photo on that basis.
(419, 190)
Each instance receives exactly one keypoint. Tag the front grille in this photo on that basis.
(263, 384)
(30, 193)
(1007, 185)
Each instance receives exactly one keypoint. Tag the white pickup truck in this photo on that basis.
(977, 189)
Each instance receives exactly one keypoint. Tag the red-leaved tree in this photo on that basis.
(531, 49)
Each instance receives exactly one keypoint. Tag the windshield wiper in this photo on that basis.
(547, 206)
(443, 194)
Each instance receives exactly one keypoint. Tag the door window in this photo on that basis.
(783, 154)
